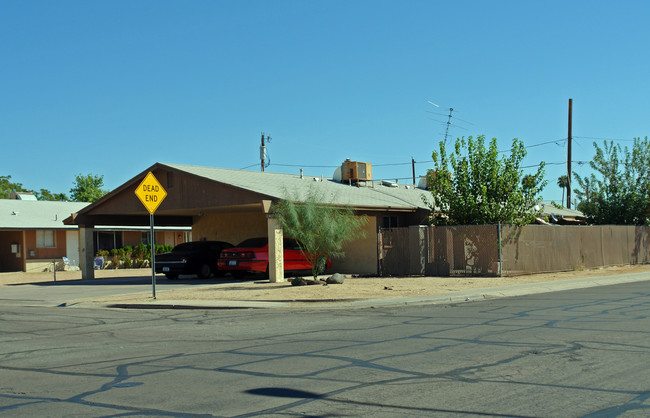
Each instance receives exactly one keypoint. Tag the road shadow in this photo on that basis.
(136, 280)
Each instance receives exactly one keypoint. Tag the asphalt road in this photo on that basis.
(56, 293)
(573, 353)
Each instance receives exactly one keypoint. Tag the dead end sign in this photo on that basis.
(150, 193)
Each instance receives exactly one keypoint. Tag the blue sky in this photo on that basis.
(112, 87)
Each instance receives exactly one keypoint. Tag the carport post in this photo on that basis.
(86, 256)
(276, 250)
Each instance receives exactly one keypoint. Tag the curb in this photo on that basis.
(459, 296)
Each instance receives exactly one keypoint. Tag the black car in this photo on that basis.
(196, 257)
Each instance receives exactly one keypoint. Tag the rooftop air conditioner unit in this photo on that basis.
(355, 171)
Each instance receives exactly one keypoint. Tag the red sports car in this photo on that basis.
(252, 256)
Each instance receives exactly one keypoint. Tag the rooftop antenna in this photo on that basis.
(451, 110)
(448, 122)
(265, 159)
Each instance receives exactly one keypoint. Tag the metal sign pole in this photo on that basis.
(151, 194)
(153, 258)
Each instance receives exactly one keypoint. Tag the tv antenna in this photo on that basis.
(447, 123)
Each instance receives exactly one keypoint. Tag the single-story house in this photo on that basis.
(551, 214)
(33, 235)
(232, 205)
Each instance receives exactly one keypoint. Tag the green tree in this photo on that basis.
(618, 192)
(87, 188)
(7, 187)
(529, 181)
(563, 183)
(473, 185)
(321, 229)
(45, 194)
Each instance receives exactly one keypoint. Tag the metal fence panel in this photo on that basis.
(538, 249)
(463, 250)
(541, 249)
(394, 252)
(473, 250)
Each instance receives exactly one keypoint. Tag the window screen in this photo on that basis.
(45, 239)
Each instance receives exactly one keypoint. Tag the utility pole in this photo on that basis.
(263, 150)
(413, 166)
(568, 160)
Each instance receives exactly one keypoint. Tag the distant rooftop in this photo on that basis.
(36, 214)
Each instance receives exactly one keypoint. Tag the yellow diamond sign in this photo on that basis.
(150, 193)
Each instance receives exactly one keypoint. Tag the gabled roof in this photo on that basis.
(36, 214)
(372, 195)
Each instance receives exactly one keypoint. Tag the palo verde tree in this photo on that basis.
(619, 190)
(321, 229)
(87, 188)
(475, 185)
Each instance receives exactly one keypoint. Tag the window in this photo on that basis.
(390, 221)
(45, 239)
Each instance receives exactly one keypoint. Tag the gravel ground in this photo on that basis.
(352, 288)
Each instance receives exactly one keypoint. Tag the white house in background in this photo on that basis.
(33, 235)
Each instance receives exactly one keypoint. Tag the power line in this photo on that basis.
(556, 141)
(306, 166)
(610, 139)
(249, 166)
(558, 163)
(385, 165)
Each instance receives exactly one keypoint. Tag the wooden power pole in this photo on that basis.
(263, 152)
(568, 160)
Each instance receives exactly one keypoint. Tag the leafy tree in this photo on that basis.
(320, 229)
(529, 181)
(473, 185)
(619, 190)
(563, 183)
(87, 188)
(45, 194)
(7, 187)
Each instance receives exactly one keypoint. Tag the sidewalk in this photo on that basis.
(367, 292)
(458, 296)
(353, 293)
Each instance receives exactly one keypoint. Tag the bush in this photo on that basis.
(131, 257)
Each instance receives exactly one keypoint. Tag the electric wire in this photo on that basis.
(555, 141)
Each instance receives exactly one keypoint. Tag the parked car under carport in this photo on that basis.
(252, 256)
(195, 257)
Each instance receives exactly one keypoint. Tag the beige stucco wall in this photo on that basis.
(230, 227)
(360, 254)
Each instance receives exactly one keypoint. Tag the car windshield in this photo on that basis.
(254, 243)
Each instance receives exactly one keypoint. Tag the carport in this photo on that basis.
(232, 205)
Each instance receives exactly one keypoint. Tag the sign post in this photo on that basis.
(151, 194)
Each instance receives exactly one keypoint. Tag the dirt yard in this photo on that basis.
(352, 288)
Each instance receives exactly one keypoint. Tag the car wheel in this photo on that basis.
(171, 276)
(205, 271)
